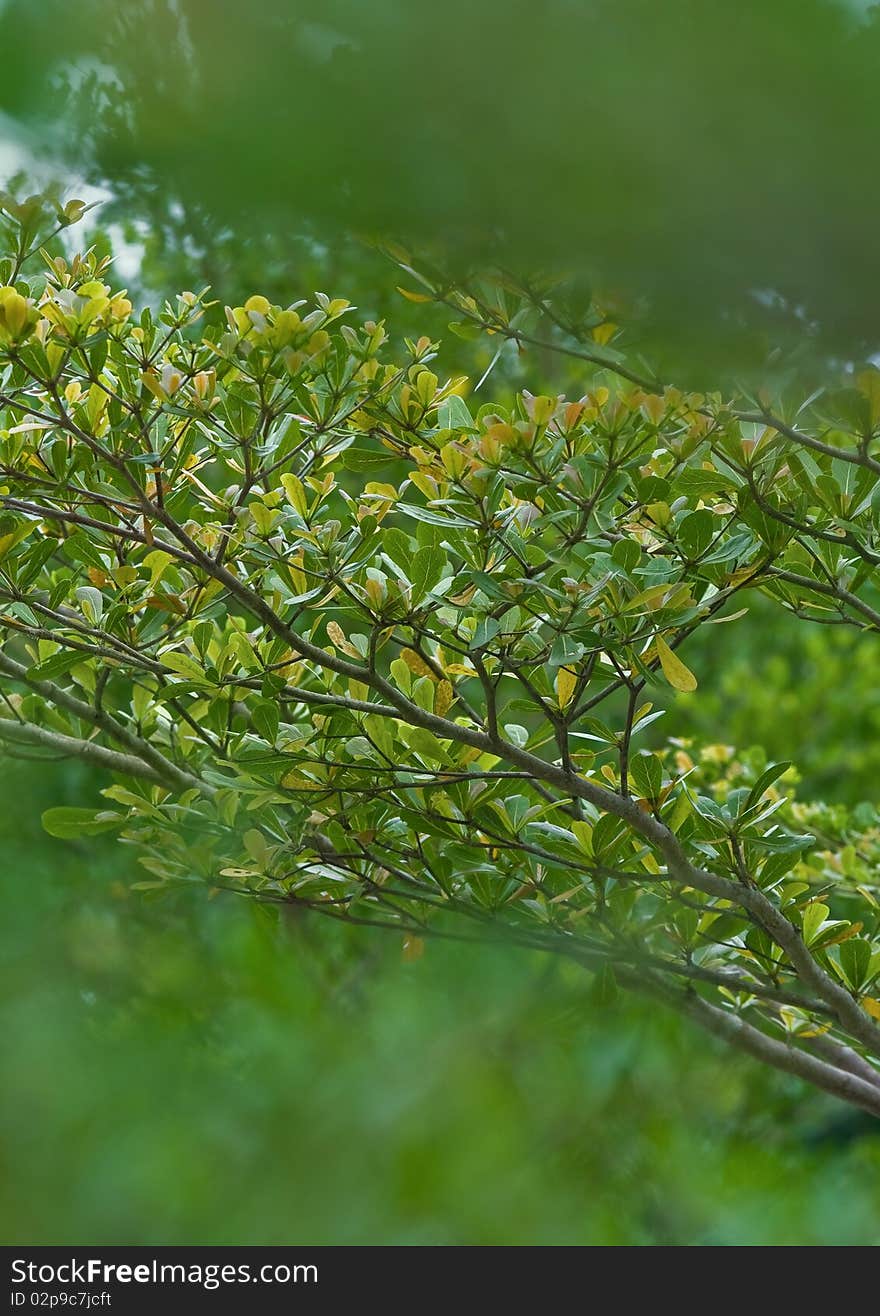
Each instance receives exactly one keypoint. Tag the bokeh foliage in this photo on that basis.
(708, 158)
(195, 1074)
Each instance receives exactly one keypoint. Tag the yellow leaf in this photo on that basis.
(603, 333)
(732, 616)
(414, 296)
(15, 537)
(297, 577)
(741, 575)
(656, 596)
(852, 930)
(336, 635)
(294, 781)
(416, 663)
(542, 409)
(654, 407)
(424, 483)
(659, 513)
(296, 494)
(454, 459)
(380, 490)
(678, 676)
(566, 683)
(872, 1006)
(413, 949)
(443, 697)
(503, 433)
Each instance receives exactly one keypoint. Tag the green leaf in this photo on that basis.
(465, 329)
(266, 719)
(367, 459)
(695, 532)
(432, 517)
(453, 414)
(626, 554)
(92, 601)
(765, 781)
(184, 665)
(680, 812)
(486, 631)
(814, 916)
(565, 650)
(423, 693)
(516, 734)
(583, 831)
(57, 665)
(855, 960)
(9, 540)
(646, 773)
(426, 570)
(67, 823)
(606, 835)
(783, 842)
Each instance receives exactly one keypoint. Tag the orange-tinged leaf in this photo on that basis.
(872, 1006)
(167, 603)
(852, 930)
(654, 407)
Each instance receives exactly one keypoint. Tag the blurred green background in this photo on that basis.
(706, 161)
(702, 169)
(195, 1071)
(199, 1073)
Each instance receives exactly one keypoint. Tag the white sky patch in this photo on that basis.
(127, 255)
(18, 155)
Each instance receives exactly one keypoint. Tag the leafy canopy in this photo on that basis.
(347, 640)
